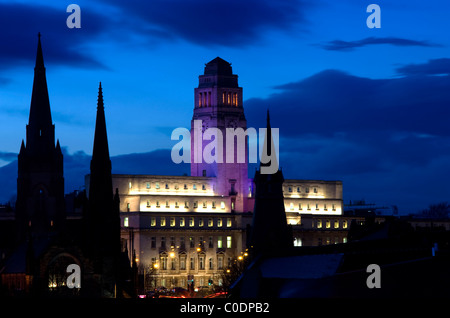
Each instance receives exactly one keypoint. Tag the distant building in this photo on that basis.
(189, 229)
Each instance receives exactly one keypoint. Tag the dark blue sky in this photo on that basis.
(366, 106)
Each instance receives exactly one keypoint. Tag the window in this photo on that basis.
(172, 241)
(199, 99)
(204, 204)
(195, 204)
(157, 204)
(201, 262)
(191, 242)
(327, 224)
(148, 185)
(219, 222)
(125, 222)
(163, 242)
(148, 203)
(298, 189)
(315, 190)
(167, 186)
(194, 186)
(191, 221)
(128, 207)
(192, 263)
(210, 222)
(130, 185)
(319, 224)
(172, 221)
(344, 224)
(290, 189)
(157, 185)
(213, 204)
(182, 222)
(317, 206)
(186, 204)
(163, 221)
(308, 207)
(185, 187)
(229, 222)
(219, 242)
(291, 206)
(153, 221)
(176, 204)
(220, 262)
(182, 244)
(300, 206)
(210, 261)
(228, 241)
(182, 262)
(297, 241)
(200, 222)
(167, 204)
(153, 242)
(336, 224)
(222, 205)
(164, 262)
(204, 173)
(307, 190)
(325, 207)
(211, 242)
(203, 186)
(333, 207)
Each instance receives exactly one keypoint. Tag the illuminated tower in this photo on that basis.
(40, 182)
(219, 104)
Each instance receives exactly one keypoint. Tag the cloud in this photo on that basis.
(340, 45)
(20, 24)
(8, 156)
(228, 23)
(432, 67)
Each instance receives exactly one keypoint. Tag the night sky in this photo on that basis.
(365, 106)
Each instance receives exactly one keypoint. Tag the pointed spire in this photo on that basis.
(40, 119)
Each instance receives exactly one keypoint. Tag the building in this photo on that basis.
(188, 229)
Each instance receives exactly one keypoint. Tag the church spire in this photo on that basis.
(40, 129)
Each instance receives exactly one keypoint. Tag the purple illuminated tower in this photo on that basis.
(218, 103)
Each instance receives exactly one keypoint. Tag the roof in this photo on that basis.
(218, 66)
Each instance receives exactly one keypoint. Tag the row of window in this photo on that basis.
(181, 222)
(200, 244)
(186, 204)
(158, 186)
(172, 263)
(327, 224)
(299, 190)
(316, 206)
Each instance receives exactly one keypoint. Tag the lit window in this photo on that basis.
(210, 222)
(125, 222)
(130, 185)
(157, 185)
(228, 241)
(344, 224)
(199, 99)
(336, 224)
(344, 240)
(128, 207)
(291, 206)
(200, 222)
(327, 224)
(223, 97)
(219, 242)
(172, 221)
(191, 221)
(194, 186)
(163, 221)
(153, 221)
(148, 185)
(182, 223)
(219, 222)
(319, 224)
(222, 205)
(297, 241)
(229, 222)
